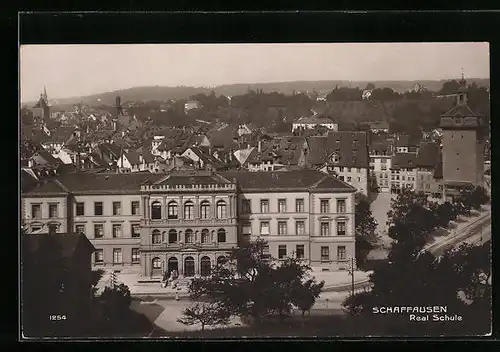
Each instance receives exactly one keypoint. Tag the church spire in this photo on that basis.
(462, 81)
(45, 94)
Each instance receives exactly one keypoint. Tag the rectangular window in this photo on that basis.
(324, 206)
(117, 231)
(341, 169)
(246, 206)
(135, 207)
(264, 228)
(117, 256)
(341, 228)
(281, 227)
(264, 205)
(282, 205)
(341, 253)
(98, 231)
(265, 251)
(300, 227)
(246, 228)
(99, 256)
(299, 205)
(325, 254)
(340, 205)
(325, 228)
(341, 178)
(53, 211)
(80, 209)
(36, 211)
(136, 231)
(299, 251)
(136, 257)
(97, 208)
(281, 251)
(117, 208)
(80, 228)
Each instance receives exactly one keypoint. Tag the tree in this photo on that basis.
(370, 86)
(473, 198)
(206, 314)
(305, 295)
(115, 301)
(251, 283)
(366, 226)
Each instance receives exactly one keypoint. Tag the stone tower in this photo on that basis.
(464, 134)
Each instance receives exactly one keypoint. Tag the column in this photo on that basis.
(231, 206)
(164, 209)
(180, 211)
(147, 207)
(213, 208)
(197, 264)
(197, 207)
(181, 265)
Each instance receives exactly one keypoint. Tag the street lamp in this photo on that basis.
(350, 271)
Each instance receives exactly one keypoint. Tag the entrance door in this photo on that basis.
(189, 267)
(173, 264)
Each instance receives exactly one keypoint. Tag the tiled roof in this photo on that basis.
(112, 148)
(61, 135)
(192, 178)
(207, 158)
(351, 153)
(460, 111)
(380, 147)
(314, 120)
(48, 157)
(428, 155)
(65, 244)
(404, 160)
(96, 183)
(286, 180)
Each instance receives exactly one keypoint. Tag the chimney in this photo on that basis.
(259, 148)
(141, 159)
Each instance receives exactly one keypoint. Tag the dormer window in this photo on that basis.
(334, 158)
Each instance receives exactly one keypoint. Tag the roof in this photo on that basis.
(380, 147)
(192, 178)
(60, 135)
(462, 110)
(314, 120)
(404, 160)
(379, 125)
(111, 148)
(45, 244)
(47, 157)
(94, 183)
(287, 180)
(351, 148)
(207, 158)
(428, 155)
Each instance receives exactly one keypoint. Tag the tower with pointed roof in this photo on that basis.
(463, 143)
(42, 108)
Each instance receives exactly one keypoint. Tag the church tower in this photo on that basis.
(42, 109)
(464, 134)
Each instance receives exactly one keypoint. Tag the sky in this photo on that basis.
(80, 70)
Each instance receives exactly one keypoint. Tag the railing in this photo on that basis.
(229, 221)
(181, 245)
(207, 187)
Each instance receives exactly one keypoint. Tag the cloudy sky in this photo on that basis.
(78, 70)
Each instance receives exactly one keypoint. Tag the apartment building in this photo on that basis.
(303, 213)
(381, 164)
(429, 169)
(403, 172)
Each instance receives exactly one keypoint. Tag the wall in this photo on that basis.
(459, 156)
(61, 219)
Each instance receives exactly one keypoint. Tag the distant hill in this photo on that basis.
(165, 93)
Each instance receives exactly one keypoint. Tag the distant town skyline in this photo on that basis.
(80, 70)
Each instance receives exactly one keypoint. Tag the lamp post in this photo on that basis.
(350, 271)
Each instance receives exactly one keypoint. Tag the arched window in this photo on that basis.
(205, 210)
(156, 210)
(205, 266)
(189, 236)
(172, 210)
(221, 236)
(221, 260)
(173, 264)
(156, 237)
(221, 209)
(189, 266)
(172, 236)
(188, 210)
(205, 236)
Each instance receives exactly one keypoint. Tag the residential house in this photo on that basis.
(381, 155)
(134, 161)
(428, 161)
(109, 153)
(405, 144)
(403, 171)
(311, 122)
(202, 158)
(379, 126)
(43, 158)
(344, 154)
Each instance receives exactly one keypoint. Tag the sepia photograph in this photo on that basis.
(255, 190)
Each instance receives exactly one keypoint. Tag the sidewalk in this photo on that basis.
(334, 281)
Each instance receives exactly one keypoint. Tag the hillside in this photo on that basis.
(165, 93)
